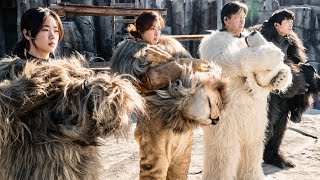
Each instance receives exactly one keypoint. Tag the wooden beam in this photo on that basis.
(85, 10)
(195, 37)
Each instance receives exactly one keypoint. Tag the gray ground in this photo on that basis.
(121, 158)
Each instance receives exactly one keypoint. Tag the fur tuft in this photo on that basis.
(53, 114)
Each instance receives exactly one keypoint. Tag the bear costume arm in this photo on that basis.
(234, 55)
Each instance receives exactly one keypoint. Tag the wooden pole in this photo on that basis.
(195, 37)
(84, 10)
(219, 8)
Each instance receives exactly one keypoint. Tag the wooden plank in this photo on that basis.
(124, 21)
(85, 10)
(195, 37)
(123, 5)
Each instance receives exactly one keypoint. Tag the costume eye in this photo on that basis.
(209, 102)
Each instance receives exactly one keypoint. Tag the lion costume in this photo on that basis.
(234, 147)
(53, 113)
(178, 101)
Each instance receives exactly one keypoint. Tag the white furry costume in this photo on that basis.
(234, 147)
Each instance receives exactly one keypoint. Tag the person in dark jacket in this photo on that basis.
(298, 98)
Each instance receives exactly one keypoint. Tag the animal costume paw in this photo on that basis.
(281, 79)
(156, 56)
(251, 85)
(197, 64)
(278, 159)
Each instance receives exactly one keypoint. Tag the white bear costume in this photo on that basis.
(254, 67)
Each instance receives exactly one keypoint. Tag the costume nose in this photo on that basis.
(215, 121)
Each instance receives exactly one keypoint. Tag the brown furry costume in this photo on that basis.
(52, 114)
(165, 138)
(297, 98)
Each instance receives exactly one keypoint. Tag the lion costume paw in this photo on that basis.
(197, 64)
(156, 56)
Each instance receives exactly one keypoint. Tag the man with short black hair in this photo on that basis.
(233, 16)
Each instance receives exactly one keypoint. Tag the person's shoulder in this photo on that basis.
(126, 42)
(219, 35)
(130, 42)
(217, 38)
(214, 33)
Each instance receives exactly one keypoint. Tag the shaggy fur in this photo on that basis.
(292, 103)
(295, 101)
(234, 147)
(191, 99)
(52, 114)
(129, 56)
(166, 138)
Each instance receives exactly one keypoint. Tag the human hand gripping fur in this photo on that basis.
(164, 68)
(156, 56)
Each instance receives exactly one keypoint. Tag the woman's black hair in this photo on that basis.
(143, 23)
(32, 21)
(281, 14)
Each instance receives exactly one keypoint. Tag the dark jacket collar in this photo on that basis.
(28, 56)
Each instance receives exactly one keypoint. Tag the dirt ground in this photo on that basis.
(121, 158)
